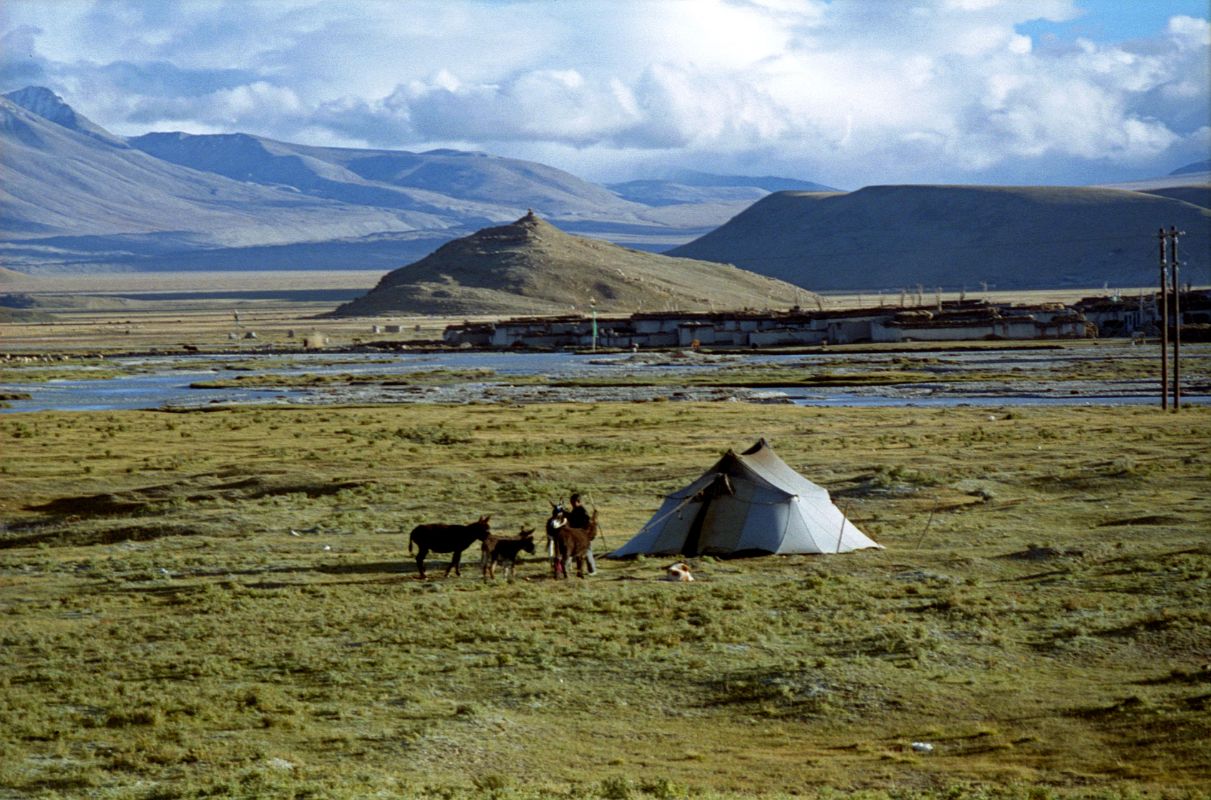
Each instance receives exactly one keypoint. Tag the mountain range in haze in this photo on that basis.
(76, 197)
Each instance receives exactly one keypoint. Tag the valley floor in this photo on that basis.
(137, 311)
(222, 604)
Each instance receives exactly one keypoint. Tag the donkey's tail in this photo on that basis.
(410, 540)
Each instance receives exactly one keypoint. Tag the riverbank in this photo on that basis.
(1112, 372)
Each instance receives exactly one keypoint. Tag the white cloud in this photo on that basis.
(846, 91)
(1190, 32)
(550, 105)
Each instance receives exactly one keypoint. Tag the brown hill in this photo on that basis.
(532, 267)
(1009, 237)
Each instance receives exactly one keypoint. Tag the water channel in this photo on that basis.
(166, 381)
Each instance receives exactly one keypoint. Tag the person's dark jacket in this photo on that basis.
(578, 517)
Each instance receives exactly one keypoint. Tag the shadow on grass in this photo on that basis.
(128, 533)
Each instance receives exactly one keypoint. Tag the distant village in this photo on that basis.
(944, 321)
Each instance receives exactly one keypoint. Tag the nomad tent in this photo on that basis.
(751, 503)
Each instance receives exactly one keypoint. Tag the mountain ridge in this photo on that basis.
(898, 236)
(75, 197)
(105, 190)
(46, 104)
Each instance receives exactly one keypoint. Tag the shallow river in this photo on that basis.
(164, 381)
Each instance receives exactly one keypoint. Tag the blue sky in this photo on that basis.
(843, 92)
(1110, 21)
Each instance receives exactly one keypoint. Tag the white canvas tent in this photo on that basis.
(747, 503)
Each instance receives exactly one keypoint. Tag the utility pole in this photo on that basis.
(593, 305)
(1163, 302)
(1175, 266)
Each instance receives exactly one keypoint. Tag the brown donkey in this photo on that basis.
(504, 550)
(573, 543)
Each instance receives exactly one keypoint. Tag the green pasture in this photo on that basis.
(220, 604)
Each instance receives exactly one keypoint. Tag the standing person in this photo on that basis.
(578, 517)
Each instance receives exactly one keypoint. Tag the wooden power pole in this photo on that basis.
(1163, 302)
(1175, 267)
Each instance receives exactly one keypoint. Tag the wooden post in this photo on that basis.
(1174, 265)
(1163, 302)
(593, 305)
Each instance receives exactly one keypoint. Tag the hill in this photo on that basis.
(75, 197)
(1197, 166)
(1190, 184)
(44, 103)
(894, 237)
(688, 186)
(72, 195)
(1198, 194)
(531, 266)
(476, 187)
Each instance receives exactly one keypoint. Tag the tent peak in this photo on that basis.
(761, 444)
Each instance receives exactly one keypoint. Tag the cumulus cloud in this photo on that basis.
(550, 105)
(845, 92)
(19, 62)
(1190, 33)
(259, 102)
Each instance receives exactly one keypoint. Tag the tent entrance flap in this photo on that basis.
(690, 548)
(720, 486)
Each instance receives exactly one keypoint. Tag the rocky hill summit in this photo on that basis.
(44, 103)
(532, 267)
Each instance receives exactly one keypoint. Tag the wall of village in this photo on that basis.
(951, 322)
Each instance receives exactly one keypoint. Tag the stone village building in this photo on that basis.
(955, 321)
(964, 320)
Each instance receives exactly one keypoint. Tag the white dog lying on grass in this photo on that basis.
(679, 572)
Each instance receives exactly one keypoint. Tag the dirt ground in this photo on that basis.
(210, 310)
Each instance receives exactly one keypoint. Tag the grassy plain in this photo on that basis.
(137, 312)
(218, 604)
